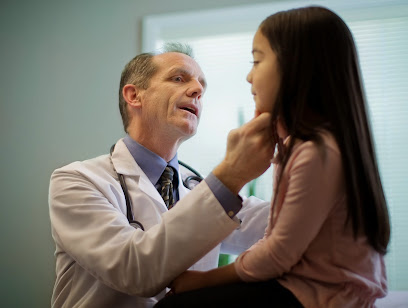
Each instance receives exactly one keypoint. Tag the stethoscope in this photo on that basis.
(189, 182)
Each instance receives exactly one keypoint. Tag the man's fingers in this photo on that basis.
(262, 121)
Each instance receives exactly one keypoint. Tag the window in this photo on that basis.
(222, 41)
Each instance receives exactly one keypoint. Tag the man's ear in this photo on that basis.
(131, 94)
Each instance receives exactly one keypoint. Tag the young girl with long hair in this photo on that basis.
(328, 226)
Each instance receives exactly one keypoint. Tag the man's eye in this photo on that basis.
(254, 62)
(178, 78)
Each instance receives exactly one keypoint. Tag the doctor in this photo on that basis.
(104, 261)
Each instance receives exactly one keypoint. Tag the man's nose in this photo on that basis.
(195, 89)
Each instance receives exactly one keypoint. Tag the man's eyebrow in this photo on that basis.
(178, 70)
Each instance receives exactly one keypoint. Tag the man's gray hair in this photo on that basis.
(177, 47)
(141, 69)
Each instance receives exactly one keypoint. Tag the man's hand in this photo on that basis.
(250, 149)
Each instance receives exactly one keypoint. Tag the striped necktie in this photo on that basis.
(166, 190)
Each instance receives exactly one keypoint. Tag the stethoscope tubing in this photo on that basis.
(129, 211)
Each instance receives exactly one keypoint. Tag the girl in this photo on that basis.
(328, 227)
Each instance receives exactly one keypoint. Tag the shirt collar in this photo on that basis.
(151, 163)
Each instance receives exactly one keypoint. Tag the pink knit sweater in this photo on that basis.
(306, 244)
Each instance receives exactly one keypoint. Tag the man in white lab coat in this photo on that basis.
(101, 260)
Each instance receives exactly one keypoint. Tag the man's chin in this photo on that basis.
(189, 128)
(186, 129)
(188, 132)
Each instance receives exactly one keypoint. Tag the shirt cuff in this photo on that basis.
(231, 203)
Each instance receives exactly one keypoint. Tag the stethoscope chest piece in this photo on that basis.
(137, 225)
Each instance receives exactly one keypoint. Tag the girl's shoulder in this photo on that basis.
(325, 148)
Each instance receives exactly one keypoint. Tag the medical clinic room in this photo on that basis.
(123, 185)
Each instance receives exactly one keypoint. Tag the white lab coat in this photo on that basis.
(101, 261)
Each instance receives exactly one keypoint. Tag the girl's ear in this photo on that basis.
(131, 94)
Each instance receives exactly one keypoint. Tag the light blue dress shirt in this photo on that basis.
(153, 166)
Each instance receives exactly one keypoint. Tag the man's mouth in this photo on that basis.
(190, 109)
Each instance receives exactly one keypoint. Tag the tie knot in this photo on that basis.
(167, 175)
(166, 189)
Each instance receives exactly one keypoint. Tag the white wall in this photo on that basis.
(60, 65)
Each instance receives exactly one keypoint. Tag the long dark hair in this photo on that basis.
(321, 87)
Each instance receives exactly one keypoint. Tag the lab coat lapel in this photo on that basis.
(125, 164)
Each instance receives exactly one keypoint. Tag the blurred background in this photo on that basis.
(60, 68)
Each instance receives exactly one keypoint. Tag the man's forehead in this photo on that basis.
(175, 61)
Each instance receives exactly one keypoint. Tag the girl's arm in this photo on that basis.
(191, 280)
